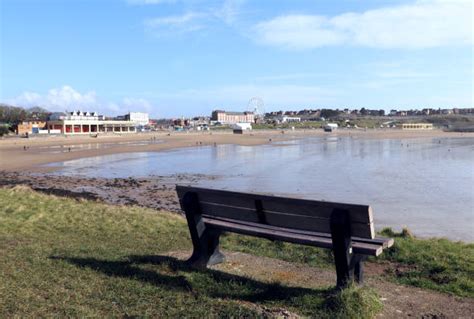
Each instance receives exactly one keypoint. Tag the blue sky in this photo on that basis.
(181, 58)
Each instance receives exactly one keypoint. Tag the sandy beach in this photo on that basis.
(28, 154)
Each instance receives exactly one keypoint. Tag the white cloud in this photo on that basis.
(229, 11)
(299, 32)
(192, 21)
(423, 24)
(67, 98)
(56, 99)
(177, 24)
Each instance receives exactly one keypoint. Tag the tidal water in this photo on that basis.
(424, 184)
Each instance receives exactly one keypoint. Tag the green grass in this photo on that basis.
(437, 264)
(313, 256)
(61, 257)
(354, 303)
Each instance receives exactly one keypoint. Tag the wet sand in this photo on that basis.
(29, 154)
(157, 192)
(22, 154)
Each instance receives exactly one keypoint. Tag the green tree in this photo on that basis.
(328, 113)
(12, 114)
(4, 130)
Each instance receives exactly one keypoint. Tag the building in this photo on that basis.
(288, 119)
(242, 126)
(446, 111)
(30, 127)
(239, 128)
(224, 117)
(330, 127)
(79, 122)
(138, 117)
(417, 126)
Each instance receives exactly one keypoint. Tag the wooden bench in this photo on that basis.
(347, 229)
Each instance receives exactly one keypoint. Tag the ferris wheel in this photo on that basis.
(256, 106)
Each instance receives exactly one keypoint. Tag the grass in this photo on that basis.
(354, 303)
(437, 264)
(312, 256)
(63, 257)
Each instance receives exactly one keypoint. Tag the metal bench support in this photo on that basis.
(205, 239)
(349, 266)
(342, 246)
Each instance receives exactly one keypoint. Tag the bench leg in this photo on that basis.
(206, 251)
(357, 265)
(205, 239)
(342, 246)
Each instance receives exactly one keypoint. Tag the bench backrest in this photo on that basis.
(301, 214)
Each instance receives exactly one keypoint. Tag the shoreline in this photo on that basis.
(28, 155)
(153, 191)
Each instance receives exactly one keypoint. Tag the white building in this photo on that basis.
(87, 123)
(242, 126)
(330, 127)
(138, 117)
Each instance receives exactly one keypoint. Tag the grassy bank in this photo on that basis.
(61, 257)
(437, 264)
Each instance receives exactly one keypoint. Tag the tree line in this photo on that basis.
(13, 115)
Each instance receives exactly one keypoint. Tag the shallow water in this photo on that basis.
(424, 184)
(54, 149)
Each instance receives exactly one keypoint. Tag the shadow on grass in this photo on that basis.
(127, 269)
(177, 275)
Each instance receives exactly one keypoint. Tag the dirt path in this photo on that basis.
(399, 301)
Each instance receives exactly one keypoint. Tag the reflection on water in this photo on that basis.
(54, 149)
(425, 184)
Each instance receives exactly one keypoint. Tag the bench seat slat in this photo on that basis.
(383, 241)
(308, 223)
(324, 242)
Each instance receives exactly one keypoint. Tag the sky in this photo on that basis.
(174, 58)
